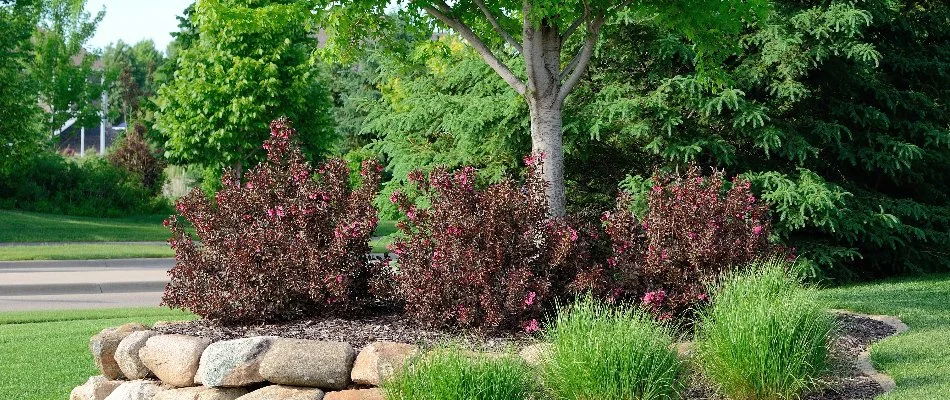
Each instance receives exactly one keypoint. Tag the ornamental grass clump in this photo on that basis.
(695, 228)
(610, 352)
(487, 258)
(764, 337)
(285, 242)
(455, 374)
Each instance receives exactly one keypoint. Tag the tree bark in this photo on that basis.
(542, 54)
(547, 139)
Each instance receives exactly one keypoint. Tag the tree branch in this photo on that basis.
(497, 65)
(570, 30)
(498, 28)
(583, 57)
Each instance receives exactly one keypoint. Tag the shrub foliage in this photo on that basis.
(695, 228)
(284, 243)
(480, 257)
(133, 154)
(51, 183)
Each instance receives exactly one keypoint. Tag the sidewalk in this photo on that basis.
(34, 278)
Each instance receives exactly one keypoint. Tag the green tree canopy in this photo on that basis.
(553, 41)
(19, 115)
(837, 112)
(130, 75)
(249, 65)
(68, 85)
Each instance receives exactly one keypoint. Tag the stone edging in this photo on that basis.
(863, 362)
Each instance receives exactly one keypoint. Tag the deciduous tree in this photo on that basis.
(555, 40)
(248, 65)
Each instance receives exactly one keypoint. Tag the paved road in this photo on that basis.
(43, 285)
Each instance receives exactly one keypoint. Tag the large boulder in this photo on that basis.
(356, 394)
(174, 358)
(377, 361)
(96, 388)
(137, 390)
(310, 363)
(201, 393)
(233, 363)
(275, 392)
(127, 355)
(103, 346)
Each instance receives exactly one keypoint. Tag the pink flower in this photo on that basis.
(663, 254)
(394, 197)
(530, 299)
(654, 297)
(702, 297)
(339, 279)
(757, 229)
(612, 261)
(692, 235)
(531, 326)
(573, 235)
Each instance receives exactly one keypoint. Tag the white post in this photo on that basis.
(104, 107)
(82, 142)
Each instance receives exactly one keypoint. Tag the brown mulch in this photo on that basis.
(357, 332)
(845, 383)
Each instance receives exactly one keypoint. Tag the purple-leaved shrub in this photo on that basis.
(487, 258)
(285, 241)
(694, 230)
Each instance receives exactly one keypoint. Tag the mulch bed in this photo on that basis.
(357, 332)
(846, 383)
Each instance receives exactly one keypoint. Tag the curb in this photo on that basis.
(863, 362)
(81, 288)
(111, 263)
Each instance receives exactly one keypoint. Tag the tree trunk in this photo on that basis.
(547, 139)
(543, 62)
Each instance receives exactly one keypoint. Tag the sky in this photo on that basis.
(136, 20)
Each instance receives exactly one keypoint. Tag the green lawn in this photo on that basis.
(918, 360)
(43, 355)
(84, 252)
(18, 226)
(385, 228)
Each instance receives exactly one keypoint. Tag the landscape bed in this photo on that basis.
(854, 335)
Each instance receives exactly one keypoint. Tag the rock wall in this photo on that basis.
(137, 363)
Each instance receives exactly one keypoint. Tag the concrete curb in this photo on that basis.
(81, 288)
(33, 244)
(73, 264)
(863, 362)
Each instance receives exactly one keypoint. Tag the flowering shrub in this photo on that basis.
(695, 229)
(487, 258)
(284, 243)
(133, 154)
